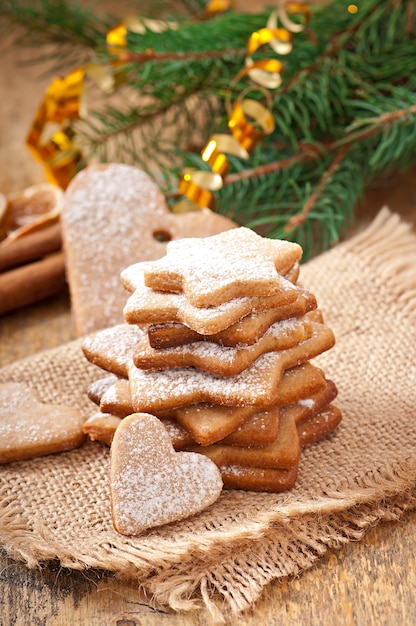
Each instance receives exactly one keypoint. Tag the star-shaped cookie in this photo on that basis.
(148, 306)
(212, 270)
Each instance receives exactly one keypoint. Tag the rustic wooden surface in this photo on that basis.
(369, 582)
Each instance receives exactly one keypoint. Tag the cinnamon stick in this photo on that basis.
(30, 247)
(31, 283)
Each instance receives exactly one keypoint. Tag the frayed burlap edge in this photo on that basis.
(228, 588)
(228, 578)
(282, 543)
(227, 583)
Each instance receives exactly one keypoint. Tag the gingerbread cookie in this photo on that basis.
(96, 389)
(155, 391)
(146, 306)
(246, 331)
(208, 423)
(276, 480)
(283, 453)
(115, 215)
(101, 426)
(30, 428)
(112, 348)
(212, 270)
(151, 484)
(224, 361)
(263, 428)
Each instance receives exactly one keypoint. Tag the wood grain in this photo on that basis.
(367, 583)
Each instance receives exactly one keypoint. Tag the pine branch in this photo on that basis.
(344, 114)
(55, 21)
(41, 25)
(298, 220)
(285, 208)
(155, 132)
(158, 57)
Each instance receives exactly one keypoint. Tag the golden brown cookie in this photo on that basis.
(115, 215)
(147, 306)
(277, 480)
(96, 389)
(112, 348)
(283, 453)
(246, 331)
(116, 399)
(319, 426)
(212, 270)
(101, 427)
(151, 484)
(258, 478)
(262, 428)
(208, 423)
(30, 428)
(155, 391)
(223, 361)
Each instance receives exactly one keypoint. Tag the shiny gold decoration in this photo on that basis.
(50, 138)
(299, 10)
(247, 132)
(217, 6)
(249, 120)
(198, 185)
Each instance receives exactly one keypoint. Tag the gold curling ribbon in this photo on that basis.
(216, 6)
(248, 119)
(247, 133)
(198, 185)
(283, 13)
(50, 138)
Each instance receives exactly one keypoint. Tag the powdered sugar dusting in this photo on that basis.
(112, 348)
(211, 270)
(256, 385)
(146, 305)
(30, 428)
(151, 484)
(107, 222)
(210, 356)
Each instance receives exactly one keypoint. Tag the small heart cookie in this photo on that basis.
(30, 428)
(115, 215)
(151, 484)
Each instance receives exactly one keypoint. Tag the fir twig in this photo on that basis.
(344, 114)
(42, 24)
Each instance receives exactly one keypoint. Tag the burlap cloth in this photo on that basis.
(59, 507)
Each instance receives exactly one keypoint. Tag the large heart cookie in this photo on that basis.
(115, 215)
(151, 484)
(30, 428)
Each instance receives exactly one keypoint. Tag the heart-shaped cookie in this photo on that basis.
(115, 215)
(30, 428)
(151, 484)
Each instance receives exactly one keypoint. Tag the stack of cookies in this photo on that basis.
(217, 343)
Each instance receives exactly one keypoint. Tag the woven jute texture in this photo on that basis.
(59, 506)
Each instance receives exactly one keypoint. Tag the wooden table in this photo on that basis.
(367, 583)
